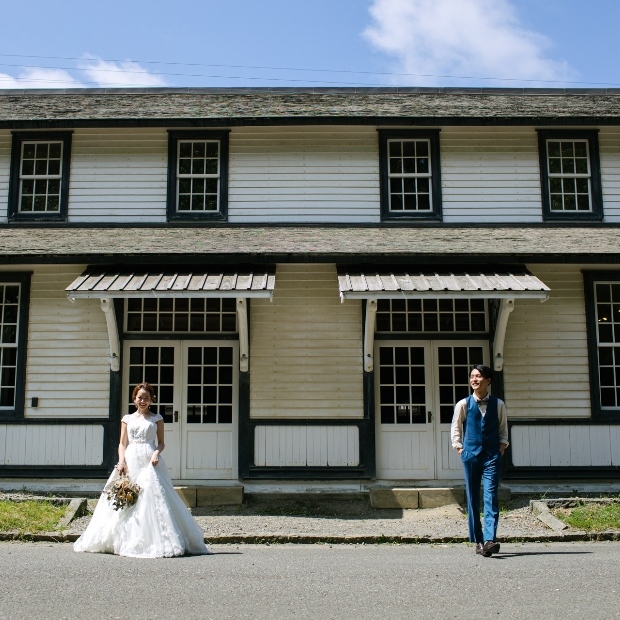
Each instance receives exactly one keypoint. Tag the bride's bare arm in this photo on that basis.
(160, 442)
(121, 448)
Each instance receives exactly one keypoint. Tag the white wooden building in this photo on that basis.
(305, 277)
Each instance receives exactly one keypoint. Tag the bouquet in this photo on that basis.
(122, 492)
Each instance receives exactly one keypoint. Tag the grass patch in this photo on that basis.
(592, 517)
(29, 516)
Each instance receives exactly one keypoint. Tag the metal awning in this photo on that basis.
(388, 282)
(153, 281)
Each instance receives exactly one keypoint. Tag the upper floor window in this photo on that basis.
(14, 294)
(198, 175)
(570, 175)
(39, 185)
(410, 174)
(603, 314)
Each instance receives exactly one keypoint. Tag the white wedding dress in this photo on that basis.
(158, 524)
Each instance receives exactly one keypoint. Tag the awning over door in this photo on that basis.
(385, 282)
(107, 283)
(150, 281)
(472, 281)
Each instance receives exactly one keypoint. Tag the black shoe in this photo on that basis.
(480, 550)
(489, 548)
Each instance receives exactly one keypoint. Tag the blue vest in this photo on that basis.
(481, 432)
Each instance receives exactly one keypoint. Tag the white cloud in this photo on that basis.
(480, 38)
(35, 77)
(118, 74)
(92, 72)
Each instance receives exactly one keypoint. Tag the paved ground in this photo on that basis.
(272, 582)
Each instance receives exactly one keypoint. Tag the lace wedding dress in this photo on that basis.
(159, 524)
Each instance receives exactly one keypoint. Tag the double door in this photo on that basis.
(417, 385)
(196, 386)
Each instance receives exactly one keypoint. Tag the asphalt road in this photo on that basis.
(544, 580)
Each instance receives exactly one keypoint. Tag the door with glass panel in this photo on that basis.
(417, 386)
(195, 383)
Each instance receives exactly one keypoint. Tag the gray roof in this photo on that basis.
(366, 282)
(271, 243)
(195, 107)
(161, 282)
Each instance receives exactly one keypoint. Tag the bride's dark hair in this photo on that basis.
(143, 386)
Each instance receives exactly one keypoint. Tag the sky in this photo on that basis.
(310, 43)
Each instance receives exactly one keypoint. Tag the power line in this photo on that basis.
(267, 68)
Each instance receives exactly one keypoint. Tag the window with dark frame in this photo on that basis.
(39, 183)
(570, 175)
(603, 314)
(196, 315)
(198, 175)
(410, 175)
(14, 295)
(432, 315)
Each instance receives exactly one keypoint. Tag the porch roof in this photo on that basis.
(154, 281)
(452, 282)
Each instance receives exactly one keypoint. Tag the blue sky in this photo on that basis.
(241, 43)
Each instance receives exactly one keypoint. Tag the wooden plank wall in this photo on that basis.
(304, 174)
(314, 174)
(5, 165)
(565, 446)
(51, 444)
(546, 356)
(306, 348)
(306, 446)
(68, 367)
(118, 175)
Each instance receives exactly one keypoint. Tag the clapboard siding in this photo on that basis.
(546, 357)
(565, 446)
(304, 174)
(305, 348)
(301, 446)
(52, 444)
(491, 174)
(609, 145)
(5, 166)
(68, 349)
(118, 175)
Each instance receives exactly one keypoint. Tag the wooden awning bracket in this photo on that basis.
(107, 305)
(242, 326)
(369, 334)
(506, 306)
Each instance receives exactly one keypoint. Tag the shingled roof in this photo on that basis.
(250, 244)
(225, 107)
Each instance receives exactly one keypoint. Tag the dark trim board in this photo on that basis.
(66, 471)
(375, 121)
(307, 473)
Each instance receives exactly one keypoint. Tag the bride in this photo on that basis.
(159, 524)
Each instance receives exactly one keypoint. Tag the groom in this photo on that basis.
(480, 434)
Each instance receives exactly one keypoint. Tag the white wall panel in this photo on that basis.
(304, 174)
(51, 444)
(565, 446)
(306, 348)
(68, 367)
(118, 175)
(312, 446)
(490, 174)
(546, 372)
(609, 146)
(5, 167)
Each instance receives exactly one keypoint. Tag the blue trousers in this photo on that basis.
(482, 468)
